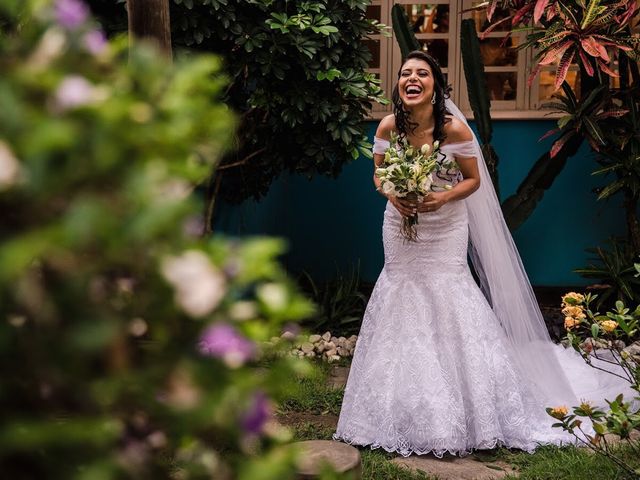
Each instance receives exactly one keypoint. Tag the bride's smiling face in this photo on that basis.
(415, 84)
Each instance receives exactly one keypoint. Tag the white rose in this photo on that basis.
(425, 148)
(425, 183)
(412, 185)
(388, 188)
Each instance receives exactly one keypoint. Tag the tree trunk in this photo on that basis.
(149, 19)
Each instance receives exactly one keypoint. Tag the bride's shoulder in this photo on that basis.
(457, 131)
(386, 126)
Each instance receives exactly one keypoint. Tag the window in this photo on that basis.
(437, 28)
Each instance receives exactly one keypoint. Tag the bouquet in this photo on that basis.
(407, 172)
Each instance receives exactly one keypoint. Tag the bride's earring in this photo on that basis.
(433, 99)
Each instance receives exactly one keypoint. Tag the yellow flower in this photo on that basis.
(575, 311)
(570, 322)
(572, 298)
(609, 325)
(587, 408)
(559, 412)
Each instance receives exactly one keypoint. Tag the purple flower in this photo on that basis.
(224, 341)
(95, 42)
(254, 419)
(71, 13)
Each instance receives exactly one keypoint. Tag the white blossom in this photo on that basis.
(199, 285)
(9, 167)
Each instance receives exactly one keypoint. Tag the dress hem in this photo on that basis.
(439, 453)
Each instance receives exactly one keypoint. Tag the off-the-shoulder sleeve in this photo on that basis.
(380, 145)
(461, 149)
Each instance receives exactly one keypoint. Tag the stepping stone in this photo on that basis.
(338, 377)
(455, 468)
(316, 453)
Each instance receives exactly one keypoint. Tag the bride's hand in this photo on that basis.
(406, 209)
(433, 201)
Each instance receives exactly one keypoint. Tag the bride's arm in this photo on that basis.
(456, 132)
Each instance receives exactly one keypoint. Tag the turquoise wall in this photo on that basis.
(331, 223)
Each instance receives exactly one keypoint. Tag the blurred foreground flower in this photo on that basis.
(254, 420)
(71, 13)
(224, 341)
(9, 167)
(199, 284)
(76, 91)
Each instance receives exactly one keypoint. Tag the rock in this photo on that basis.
(320, 348)
(326, 336)
(288, 335)
(329, 345)
(307, 347)
(618, 345)
(455, 468)
(334, 340)
(343, 352)
(314, 338)
(330, 353)
(633, 349)
(310, 354)
(353, 338)
(315, 453)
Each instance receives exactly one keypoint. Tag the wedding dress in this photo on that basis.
(435, 369)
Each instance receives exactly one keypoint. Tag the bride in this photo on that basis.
(442, 365)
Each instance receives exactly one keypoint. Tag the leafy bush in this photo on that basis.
(298, 82)
(129, 346)
(340, 301)
(614, 269)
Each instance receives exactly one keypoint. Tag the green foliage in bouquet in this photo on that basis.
(298, 82)
(129, 346)
(599, 336)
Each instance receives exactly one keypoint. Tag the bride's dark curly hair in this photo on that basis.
(404, 125)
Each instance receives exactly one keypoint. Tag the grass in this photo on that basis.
(313, 395)
(570, 463)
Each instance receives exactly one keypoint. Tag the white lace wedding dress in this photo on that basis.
(432, 369)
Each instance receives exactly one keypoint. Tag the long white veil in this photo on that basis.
(560, 375)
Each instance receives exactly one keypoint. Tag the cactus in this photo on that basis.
(478, 94)
(404, 35)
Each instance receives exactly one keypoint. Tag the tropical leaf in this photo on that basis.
(586, 63)
(563, 67)
(558, 144)
(554, 53)
(594, 48)
(539, 10)
(594, 9)
(605, 68)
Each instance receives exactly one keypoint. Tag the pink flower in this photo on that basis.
(95, 42)
(71, 13)
(74, 91)
(223, 341)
